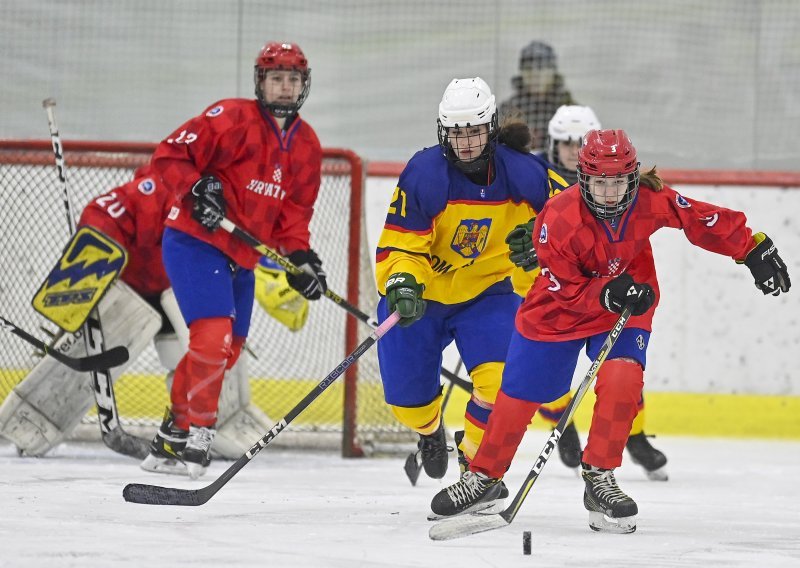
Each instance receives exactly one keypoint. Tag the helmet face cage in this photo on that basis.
(624, 196)
(467, 103)
(486, 155)
(608, 156)
(276, 56)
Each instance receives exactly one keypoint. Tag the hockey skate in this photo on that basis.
(166, 449)
(569, 447)
(433, 452)
(652, 460)
(472, 493)
(610, 510)
(491, 506)
(198, 447)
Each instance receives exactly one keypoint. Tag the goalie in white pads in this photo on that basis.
(45, 407)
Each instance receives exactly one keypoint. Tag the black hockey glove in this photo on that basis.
(768, 269)
(312, 283)
(520, 242)
(404, 295)
(209, 205)
(623, 290)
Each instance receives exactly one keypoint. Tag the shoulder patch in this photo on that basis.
(681, 202)
(543, 233)
(216, 111)
(147, 186)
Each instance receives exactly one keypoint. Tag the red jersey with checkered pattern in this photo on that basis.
(133, 215)
(578, 253)
(270, 177)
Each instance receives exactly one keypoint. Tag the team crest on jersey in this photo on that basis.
(681, 201)
(147, 186)
(276, 174)
(216, 111)
(613, 265)
(470, 237)
(640, 342)
(543, 233)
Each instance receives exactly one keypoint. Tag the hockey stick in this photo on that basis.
(286, 264)
(111, 430)
(413, 466)
(104, 360)
(471, 524)
(157, 495)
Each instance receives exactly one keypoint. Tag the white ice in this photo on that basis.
(727, 503)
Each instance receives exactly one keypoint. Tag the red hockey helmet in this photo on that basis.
(281, 56)
(608, 172)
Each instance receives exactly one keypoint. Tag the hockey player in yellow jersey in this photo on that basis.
(443, 263)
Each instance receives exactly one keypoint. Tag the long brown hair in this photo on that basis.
(514, 133)
(651, 179)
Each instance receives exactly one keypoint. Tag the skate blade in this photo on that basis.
(457, 527)
(598, 522)
(155, 464)
(477, 509)
(659, 474)
(195, 470)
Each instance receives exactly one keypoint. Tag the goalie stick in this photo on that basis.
(104, 360)
(157, 495)
(465, 525)
(111, 431)
(285, 263)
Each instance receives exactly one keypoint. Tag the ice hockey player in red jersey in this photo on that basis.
(256, 162)
(593, 246)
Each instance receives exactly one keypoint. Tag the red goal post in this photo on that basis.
(286, 365)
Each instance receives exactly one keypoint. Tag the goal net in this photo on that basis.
(282, 366)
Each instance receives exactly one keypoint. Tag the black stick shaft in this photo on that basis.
(156, 495)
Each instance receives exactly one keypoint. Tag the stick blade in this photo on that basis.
(126, 444)
(465, 525)
(412, 468)
(157, 495)
(114, 357)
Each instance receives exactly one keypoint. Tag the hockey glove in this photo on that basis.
(768, 269)
(520, 242)
(623, 290)
(311, 283)
(404, 295)
(209, 205)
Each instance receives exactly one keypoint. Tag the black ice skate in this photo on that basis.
(492, 507)
(569, 447)
(166, 449)
(433, 453)
(652, 460)
(198, 447)
(610, 510)
(473, 492)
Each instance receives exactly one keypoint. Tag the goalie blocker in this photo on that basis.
(46, 406)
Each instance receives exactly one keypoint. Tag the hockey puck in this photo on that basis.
(526, 542)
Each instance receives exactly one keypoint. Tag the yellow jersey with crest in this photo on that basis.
(449, 232)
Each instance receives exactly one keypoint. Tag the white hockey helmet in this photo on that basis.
(467, 102)
(570, 123)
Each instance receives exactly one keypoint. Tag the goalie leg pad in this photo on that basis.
(48, 403)
(239, 422)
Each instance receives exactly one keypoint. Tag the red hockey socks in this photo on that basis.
(198, 377)
(618, 389)
(507, 425)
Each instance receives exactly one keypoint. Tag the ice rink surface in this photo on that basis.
(727, 503)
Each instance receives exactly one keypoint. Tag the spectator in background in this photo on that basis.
(538, 91)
